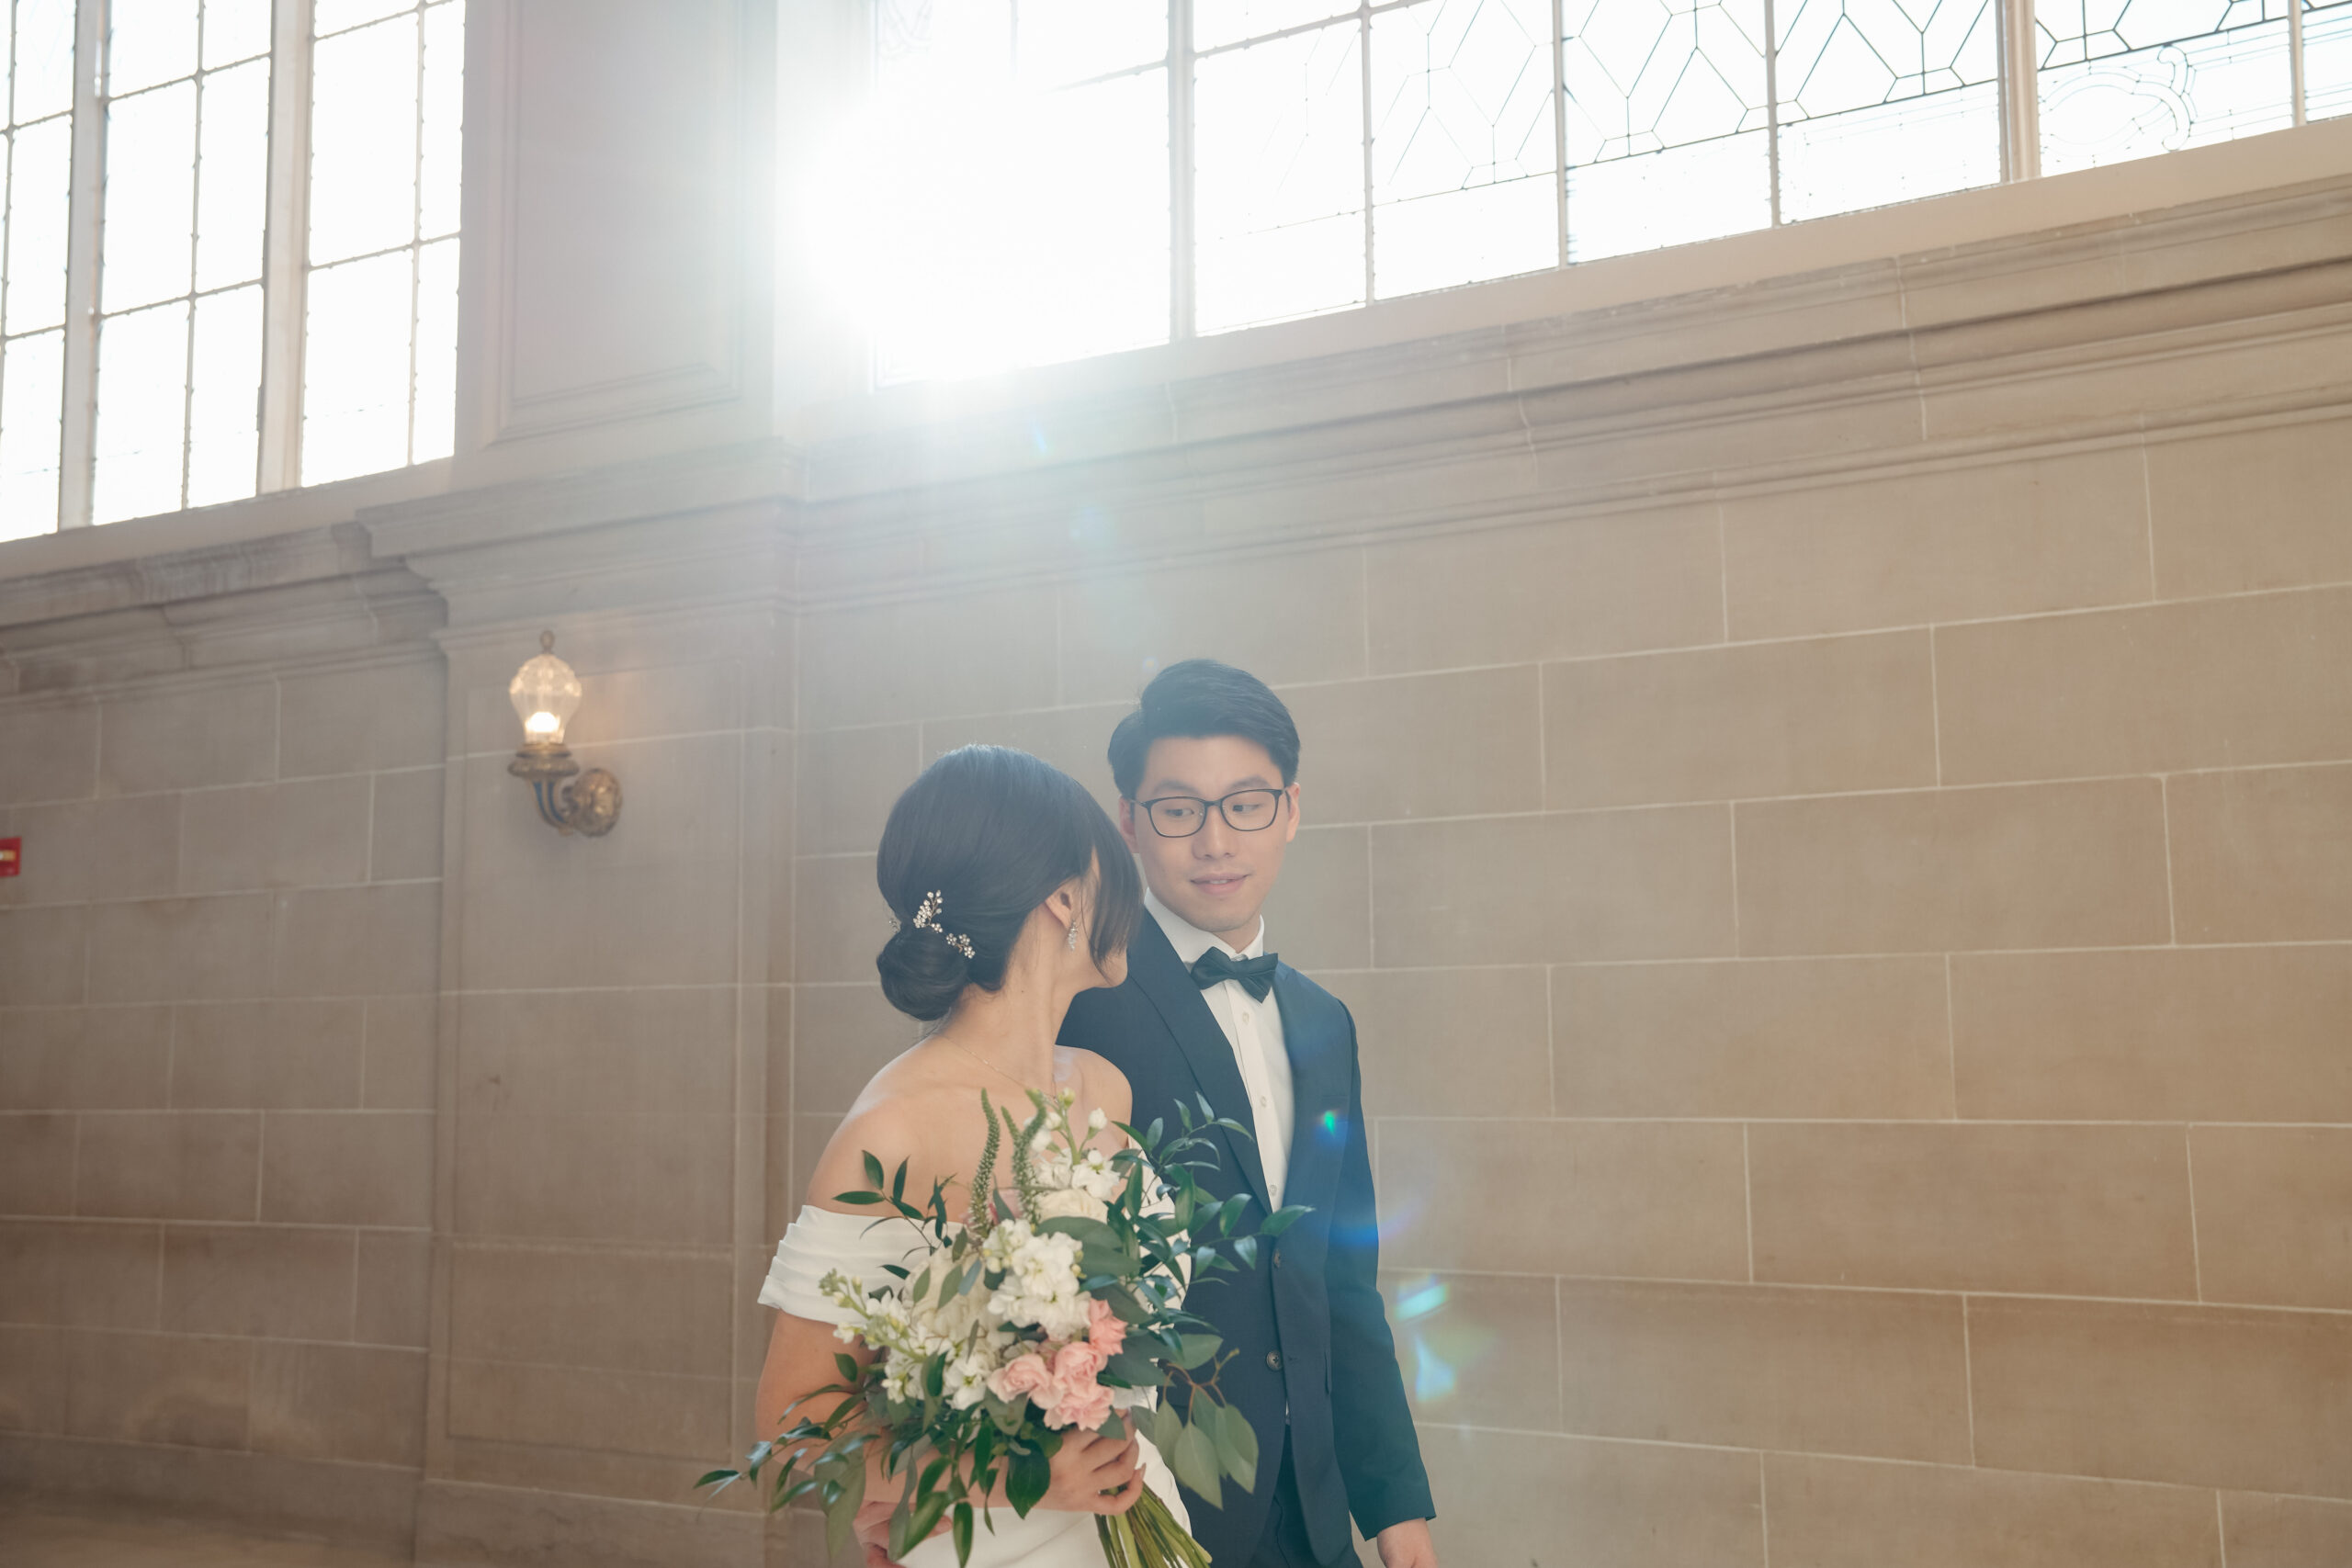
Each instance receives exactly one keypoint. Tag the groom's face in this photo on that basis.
(1217, 878)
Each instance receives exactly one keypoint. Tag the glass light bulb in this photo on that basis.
(546, 693)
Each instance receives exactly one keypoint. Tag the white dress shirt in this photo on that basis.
(1254, 1030)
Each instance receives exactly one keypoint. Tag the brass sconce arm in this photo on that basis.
(588, 804)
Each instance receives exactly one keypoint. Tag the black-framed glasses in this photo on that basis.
(1245, 811)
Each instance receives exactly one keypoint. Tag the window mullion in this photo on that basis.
(1773, 108)
(2295, 57)
(1181, 210)
(2020, 92)
(1363, 67)
(86, 187)
(1560, 125)
(286, 246)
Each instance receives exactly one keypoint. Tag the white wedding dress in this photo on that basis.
(821, 1240)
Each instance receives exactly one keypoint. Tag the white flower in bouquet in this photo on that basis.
(968, 1378)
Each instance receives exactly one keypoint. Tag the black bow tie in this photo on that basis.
(1256, 975)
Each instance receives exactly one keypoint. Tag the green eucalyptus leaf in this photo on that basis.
(926, 1517)
(841, 1526)
(1196, 1465)
(1026, 1477)
(1198, 1348)
(1167, 1426)
(854, 1482)
(1238, 1447)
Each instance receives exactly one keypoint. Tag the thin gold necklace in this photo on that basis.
(988, 1065)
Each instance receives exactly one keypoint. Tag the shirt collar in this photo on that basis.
(1190, 942)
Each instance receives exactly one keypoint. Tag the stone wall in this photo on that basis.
(217, 1034)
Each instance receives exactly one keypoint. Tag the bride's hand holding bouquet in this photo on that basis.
(1043, 1321)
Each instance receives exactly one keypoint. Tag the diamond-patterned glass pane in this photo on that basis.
(1217, 23)
(982, 219)
(1666, 122)
(1462, 143)
(1278, 180)
(1885, 101)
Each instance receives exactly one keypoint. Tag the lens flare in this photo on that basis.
(1432, 1379)
(1421, 1301)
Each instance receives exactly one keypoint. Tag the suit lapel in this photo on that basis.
(1318, 1085)
(1154, 969)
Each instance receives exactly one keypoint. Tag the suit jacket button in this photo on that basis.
(1278, 1258)
(1274, 1359)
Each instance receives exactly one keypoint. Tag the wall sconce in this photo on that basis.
(546, 693)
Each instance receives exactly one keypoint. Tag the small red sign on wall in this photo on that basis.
(12, 856)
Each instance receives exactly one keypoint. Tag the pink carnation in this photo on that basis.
(1086, 1407)
(1075, 1363)
(1025, 1376)
(1104, 1329)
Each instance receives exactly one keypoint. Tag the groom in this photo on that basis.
(1208, 799)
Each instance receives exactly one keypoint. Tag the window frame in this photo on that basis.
(285, 271)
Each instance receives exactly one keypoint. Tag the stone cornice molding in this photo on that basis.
(316, 594)
(1970, 353)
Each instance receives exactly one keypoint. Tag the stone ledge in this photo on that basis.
(468, 1525)
(356, 1504)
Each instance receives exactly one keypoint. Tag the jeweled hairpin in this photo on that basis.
(927, 916)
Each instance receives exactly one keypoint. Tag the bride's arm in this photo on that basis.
(800, 1349)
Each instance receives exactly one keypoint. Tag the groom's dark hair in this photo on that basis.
(1197, 698)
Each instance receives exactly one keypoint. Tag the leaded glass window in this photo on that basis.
(1320, 156)
(2126, 78)
(39, 146)
(2327, 59)
(187, 99)
(255, 205)
(1008, 188)
(1885, 101)
(380, 339)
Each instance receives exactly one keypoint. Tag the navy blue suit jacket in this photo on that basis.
(1308, 1324)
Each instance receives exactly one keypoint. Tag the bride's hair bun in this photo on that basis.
(921, 974)
(981, 838)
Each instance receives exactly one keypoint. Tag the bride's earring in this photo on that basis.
(1073, 936)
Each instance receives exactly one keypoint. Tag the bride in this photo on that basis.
(1012, 893)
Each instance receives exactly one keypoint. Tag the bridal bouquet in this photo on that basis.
(1023, 1322)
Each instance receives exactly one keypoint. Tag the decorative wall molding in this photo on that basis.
(596, 299)
(2229, 313)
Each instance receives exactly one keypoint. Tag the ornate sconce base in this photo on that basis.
(588, 804)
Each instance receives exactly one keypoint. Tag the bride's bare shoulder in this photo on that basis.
(905, 1114)
(1102, 1084)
